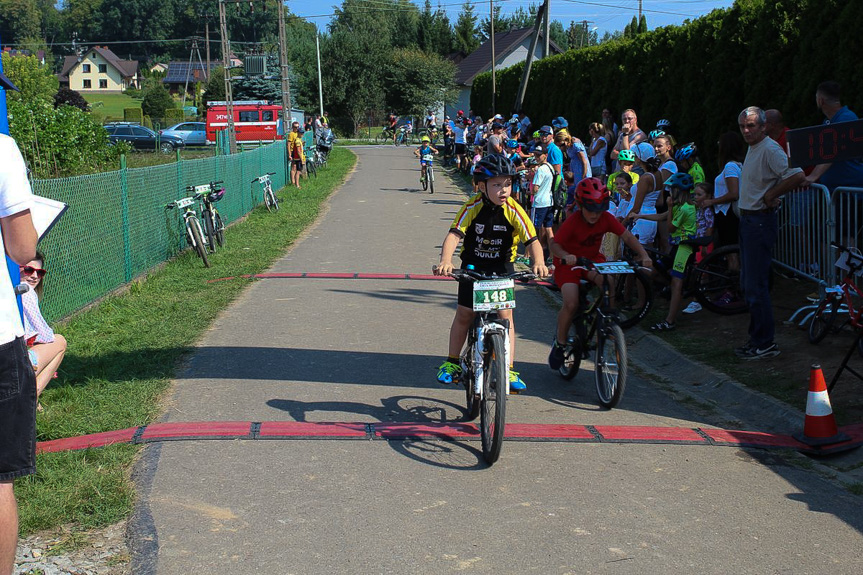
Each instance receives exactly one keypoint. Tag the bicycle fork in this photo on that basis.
(484, 332)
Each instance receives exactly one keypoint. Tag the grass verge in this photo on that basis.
(123, 352)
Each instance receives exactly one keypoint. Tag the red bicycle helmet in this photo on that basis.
(592, 195)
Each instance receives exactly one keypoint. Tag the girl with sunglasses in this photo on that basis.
(46, 348)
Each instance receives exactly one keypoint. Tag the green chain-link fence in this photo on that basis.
(117, 227)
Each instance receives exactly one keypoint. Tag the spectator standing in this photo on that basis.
(496, 139)
(555, 155)
(845, 172)
(629, 135)
(598, 150)
(295, 151)
(17, 379)
(579, 165)
(726, 188)
(764, 178)
(542, 213)
(609, 124)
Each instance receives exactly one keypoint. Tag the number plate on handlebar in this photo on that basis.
(428, 157)
(614, 268)
(185, 202)
(202, 189)
(492, 295)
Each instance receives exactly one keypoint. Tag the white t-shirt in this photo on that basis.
(731, 170)
(459, 134)
(765, 166)
(15, 197)
(669, 165)
(543, 179)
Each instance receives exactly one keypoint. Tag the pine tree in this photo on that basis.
(642, 24)
(465, 31)
(633, 26)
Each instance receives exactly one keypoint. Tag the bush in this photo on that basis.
(699, 75)
(133, 115)
(173, 116)
(71, 98)
(156, 101)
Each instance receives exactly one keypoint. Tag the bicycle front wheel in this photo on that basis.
(219, 229)
(384, 137)
(272, 201)
(430, 178)
(611, 365)
(424, 180)
(572, 355)
(823, 320)
(209, 230)
(493, 403)
(311, 168)
(193, 228)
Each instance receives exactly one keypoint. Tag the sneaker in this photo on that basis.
(743, 349)
(516, 385)
(556, 356)
(448, 372)
(693, 307)
(727, 298)
(754, 352)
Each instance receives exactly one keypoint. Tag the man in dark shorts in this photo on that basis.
(17, 379)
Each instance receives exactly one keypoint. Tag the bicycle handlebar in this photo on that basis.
(471, 275)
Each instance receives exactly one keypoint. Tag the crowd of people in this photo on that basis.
(564, 199)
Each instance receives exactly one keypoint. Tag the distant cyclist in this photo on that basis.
(424, 149)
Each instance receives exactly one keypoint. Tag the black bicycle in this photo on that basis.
(596, 320)
(214, 227)
(485, 358)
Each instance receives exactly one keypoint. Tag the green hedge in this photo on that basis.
(133, 115)
(767, 53)
(173, 116)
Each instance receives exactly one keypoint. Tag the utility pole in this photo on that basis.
(207, 40)
(283, 64)
(320, 83)
(226, 62)
(639, 11)
(545, 50)
(493, 58)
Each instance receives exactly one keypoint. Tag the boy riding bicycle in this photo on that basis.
(422, 152)
(580, 236)
(492, 224)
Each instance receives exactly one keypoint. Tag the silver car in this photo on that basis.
(192, 133)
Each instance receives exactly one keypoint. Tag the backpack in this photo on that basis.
(558, 193)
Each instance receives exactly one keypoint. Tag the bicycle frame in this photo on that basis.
(484, 325)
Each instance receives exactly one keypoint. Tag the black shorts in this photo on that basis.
(17, 411)
(460, 149)
(298, 164)
(727, 230)
(465, 289)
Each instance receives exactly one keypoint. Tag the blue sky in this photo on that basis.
(605, 15)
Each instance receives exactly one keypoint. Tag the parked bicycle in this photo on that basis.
(840, 299)
(485, 358)
(311, 161)
(596, 320)
(194, 232)
(214, 227)
(270, 199)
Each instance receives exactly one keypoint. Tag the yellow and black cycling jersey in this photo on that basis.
(492, 233)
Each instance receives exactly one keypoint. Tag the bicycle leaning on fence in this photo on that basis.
(270, 199)
(485, 358)
(192, 225)
(214, 227)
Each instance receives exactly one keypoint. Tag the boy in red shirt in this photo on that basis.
(580, 235)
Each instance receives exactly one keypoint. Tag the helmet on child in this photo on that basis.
(536, 134)
(655, 134)
(492, 166)
(662, 124)
(592, 195)
(680, 180)
(686, 152)
(426, 139)
(511, 144)
(626, 156)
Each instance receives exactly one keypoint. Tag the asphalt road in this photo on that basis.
(350, 350)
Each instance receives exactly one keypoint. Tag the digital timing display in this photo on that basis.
(826, 143)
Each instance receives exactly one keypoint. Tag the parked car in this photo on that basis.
(142, 138)
(192, 133)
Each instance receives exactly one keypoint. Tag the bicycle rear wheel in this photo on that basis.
(430, 178)
(611, 365)
(493, 403)
(220, 229)
(717, 281)
(823, 320)
(193, 229)
(209, 230)
(384, 137)
(311, 168)
(633, 296)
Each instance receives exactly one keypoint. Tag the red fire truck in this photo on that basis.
(254, 120)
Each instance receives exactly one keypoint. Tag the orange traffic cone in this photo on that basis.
(820, 425)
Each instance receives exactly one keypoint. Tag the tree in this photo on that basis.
(557, 34)
(156, 101)
(501, 24)
(465, 32)
(65, 96)
(20, 20)
(417, 81)
(631, 28)
(35, 82)
(642, 24)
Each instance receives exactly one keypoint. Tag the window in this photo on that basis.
(122, 131)
(267, 115)
(141, 132)
(103, 68)
(85, 68)
(247, 116)
(86, 85)
(103, 84)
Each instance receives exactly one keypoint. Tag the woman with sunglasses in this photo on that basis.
(46, 348)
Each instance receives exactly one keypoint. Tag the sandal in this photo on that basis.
(662, 326)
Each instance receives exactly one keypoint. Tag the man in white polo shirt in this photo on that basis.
(17, 379)
(765, 177)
